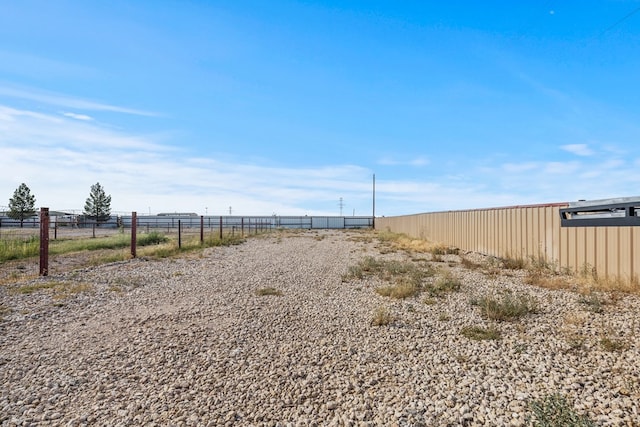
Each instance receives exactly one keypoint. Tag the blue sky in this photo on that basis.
(286, 107)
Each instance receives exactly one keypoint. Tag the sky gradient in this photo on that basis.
(286, 107)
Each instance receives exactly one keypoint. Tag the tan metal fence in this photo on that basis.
(525, 232)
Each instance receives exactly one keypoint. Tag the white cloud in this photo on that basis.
(57, 99)
(78, 116)
(391, 161)
(578, 149)
(60, 157)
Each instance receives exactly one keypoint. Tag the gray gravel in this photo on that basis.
(189, 342)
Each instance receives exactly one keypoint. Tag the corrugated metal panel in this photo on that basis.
(528, 231)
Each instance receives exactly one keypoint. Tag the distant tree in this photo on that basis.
(21, 205)
(98, 204)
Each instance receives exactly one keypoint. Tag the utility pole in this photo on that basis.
(374, 202)
(341, 204)
(229, 210)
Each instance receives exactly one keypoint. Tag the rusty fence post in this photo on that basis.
(134, 232)
(44, 241)
(201, 229)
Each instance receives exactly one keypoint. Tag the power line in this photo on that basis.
(624, 18)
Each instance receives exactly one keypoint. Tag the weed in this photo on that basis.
(462, 358)
(399, 291)
(613, 344)
(511, 263)
(437, 258)
(107, 258)
(4, 310)
(555, 411)
(443, 250)
(382, 316)
(18, 247)
(444, 317)
(268, 291)
(447, 282)
(509, 307)
(594, 303)
(67, 289)
(576, 341)
(469, 264)
(153, 238)
(406, 243)
(405, 278)
(541, 279)
(479, 333)
(520, 348)
(60, 289)
(115, 288)
(31, 288)
(430, 301)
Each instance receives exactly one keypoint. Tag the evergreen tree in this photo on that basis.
(98, 204)
(21, 205)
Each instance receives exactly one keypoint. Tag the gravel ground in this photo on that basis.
(190, 342)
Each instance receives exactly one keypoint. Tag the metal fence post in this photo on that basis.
(44, 241)
(221, 227)
(201, 229)
(179, 234)
(134, 232)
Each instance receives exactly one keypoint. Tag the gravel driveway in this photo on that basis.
(190, 341)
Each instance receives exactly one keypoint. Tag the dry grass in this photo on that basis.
(548, 281)
(404, 278)
(399, 291)
(445, 283)
(61, 289)
(479, 333)
(268, 291)
(509, 306)
(382, 316)
(404, 242)
(4, 310)
(513, 263)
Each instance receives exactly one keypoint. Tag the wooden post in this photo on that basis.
(201, 229)
(220, 227)
(134, 233)
(44, 241)
(94, 230)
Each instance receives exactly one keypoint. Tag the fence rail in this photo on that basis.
(528, 231)
(210, 222)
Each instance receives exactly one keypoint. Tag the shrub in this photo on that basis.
(509, 307)
(555, 411)
(381, 316)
